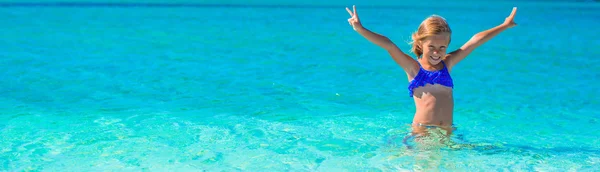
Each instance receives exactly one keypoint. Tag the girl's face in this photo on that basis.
(434, 48)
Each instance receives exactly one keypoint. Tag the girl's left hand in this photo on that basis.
(509, 21)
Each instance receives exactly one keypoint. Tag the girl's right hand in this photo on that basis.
(354, 21)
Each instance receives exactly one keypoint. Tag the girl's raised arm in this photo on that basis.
(407, 63)
(478, 39)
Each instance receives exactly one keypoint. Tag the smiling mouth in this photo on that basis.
(435, 58)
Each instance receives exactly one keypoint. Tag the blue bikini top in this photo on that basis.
(441, 77)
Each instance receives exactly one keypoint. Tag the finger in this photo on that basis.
(349, 12)
(354, 8)
(514, 11)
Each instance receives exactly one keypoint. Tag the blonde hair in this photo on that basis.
(432, 25)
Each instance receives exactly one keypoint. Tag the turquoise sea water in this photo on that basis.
(282, 86)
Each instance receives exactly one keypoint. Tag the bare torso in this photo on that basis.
(434, 105)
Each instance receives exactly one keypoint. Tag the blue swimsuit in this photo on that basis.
(441, 77)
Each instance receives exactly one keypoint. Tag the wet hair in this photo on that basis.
(432, 25)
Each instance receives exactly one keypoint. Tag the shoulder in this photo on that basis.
(453, 58)
(413, 71)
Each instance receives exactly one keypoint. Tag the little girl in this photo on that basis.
(430, 83)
